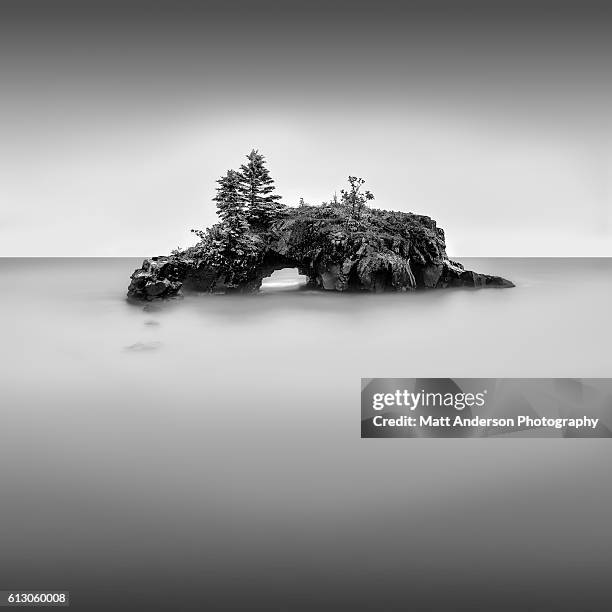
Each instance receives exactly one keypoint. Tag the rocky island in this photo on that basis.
(341, 245)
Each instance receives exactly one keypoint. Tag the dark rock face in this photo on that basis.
(383, 251)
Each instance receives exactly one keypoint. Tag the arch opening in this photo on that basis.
(284, 279)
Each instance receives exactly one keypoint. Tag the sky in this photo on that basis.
(116, 118)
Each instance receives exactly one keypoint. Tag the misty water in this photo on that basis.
(212, 441)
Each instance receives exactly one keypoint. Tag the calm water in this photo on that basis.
(206, 451)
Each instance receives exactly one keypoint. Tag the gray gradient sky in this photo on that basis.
(116, 118)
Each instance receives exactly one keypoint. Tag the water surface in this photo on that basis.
(206, 451)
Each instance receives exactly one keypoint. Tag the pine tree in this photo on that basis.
(256, 187)
(230, 207)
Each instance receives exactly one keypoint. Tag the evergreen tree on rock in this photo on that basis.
(231, 207)
(256, 189)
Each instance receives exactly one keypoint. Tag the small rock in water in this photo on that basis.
(151, 308)
(143, 346)
(151, 323)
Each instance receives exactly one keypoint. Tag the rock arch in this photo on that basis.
(383, 251)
